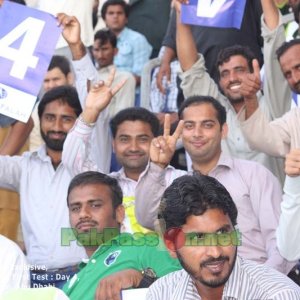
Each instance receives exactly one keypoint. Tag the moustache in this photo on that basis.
(220, 259)
(57, 132)
(91, 223)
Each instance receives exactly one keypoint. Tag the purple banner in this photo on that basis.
(214, 13)
(27, 41)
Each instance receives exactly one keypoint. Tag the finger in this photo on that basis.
(167, 125)
(118, 86)
(256, 68)
(178, 130)
(111, 77)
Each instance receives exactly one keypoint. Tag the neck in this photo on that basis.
(117, 32)
(55, 157)
(205, 166)
(237, 106)
(133, 174)
(90, 250)
(208, 293)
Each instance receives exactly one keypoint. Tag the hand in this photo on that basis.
(251, 84)
(71, 28)
(110, 287)
(164, 71)
(162, 148)
(292, 163)
(99, 97)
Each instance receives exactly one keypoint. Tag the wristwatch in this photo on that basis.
(149, 276)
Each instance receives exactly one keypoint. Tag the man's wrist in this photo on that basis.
(90, 122)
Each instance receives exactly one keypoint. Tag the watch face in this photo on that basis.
(149, 272)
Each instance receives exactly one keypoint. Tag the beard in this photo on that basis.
(54, 144)
(212, 283)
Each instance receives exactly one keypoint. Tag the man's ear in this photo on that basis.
(116, 50)
(224, 130)
(70, 78)
(174, 239)
(113, 146)
(120, 213)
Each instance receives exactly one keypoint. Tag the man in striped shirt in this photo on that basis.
(198, 218)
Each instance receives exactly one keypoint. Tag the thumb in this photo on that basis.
(256, 68)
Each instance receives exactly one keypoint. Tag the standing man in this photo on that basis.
(205, 216)
(134, 49)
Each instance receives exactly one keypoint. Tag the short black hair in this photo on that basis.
(60, 62)
(226, 53)
(285, 46)
(93, 177)
(66, 94)
(114, 2)
(194, 195)
(106, 35)
(196, 100)
(134, 114)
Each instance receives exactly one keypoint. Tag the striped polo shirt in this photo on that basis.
(248, 281)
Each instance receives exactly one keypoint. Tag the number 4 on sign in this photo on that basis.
(23, 57)
(209, 8)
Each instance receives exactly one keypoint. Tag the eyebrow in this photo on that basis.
(226, 227)
(89, 202)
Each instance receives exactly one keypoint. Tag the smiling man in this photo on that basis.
(200, 205)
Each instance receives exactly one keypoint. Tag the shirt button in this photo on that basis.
(93, 261)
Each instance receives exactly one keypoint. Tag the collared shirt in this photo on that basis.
(134, 51)
(14, 271)
(122, 252)
(126, 95)
(253, 188)
(44, 211)
(248, 280)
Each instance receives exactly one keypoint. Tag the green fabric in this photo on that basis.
(48, 293)
(143, 254)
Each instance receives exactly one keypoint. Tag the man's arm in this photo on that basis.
(288, 231)
(16, 137)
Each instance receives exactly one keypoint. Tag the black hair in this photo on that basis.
(66, 94)
(194, 195)
(61, 62)
(106, 35)
(226, 53)
(285, 46)
(196, 100)
(134, 114)
(107, 3)
(93, 177)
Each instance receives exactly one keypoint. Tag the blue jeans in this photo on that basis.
(55, 277)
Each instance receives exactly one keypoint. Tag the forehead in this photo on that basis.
(199, 112)
(115, 8)
(291, 56)
(59, 107)
(55, 73)
(84, 193)
(211, 221)
(98, 43)
(234, 61)
(133, 128)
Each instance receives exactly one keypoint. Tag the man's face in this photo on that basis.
(210, 266)
(115, 18)
(55, 78)
(202, 133)
(90, 206)
(56, 121)
(232, 74)
(104, 53)
(295, 5)
(132, 144)
(290, 66)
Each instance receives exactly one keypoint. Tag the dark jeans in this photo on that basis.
(55, 277)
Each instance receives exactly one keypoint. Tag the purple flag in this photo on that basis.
(214, 13)
(27, 41)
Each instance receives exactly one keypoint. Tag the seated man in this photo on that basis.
(205, 242)
(116, 260)
(14, 271)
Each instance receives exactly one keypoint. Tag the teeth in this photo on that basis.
(235, 87)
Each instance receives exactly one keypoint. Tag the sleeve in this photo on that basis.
(288, 231)
(76, 152)
(266, 196)
(196, 81)
(272, 138)
(141, 53)
(101, 148)
(10, 172)
(154, 180)
(277, 94)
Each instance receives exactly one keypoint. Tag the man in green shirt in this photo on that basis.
(117, 261)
